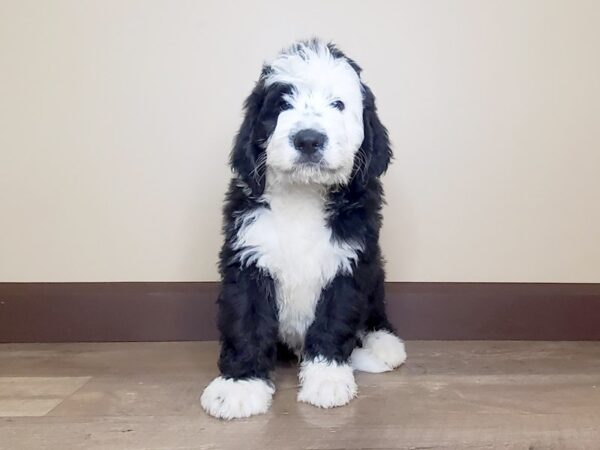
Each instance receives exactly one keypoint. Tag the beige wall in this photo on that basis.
(116, 118)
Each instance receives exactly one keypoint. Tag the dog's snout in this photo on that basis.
(309, 141)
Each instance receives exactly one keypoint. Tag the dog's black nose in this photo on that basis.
(309, 141)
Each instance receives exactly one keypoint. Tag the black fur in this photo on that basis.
(248, 324)
(261, 110)
(350, 303)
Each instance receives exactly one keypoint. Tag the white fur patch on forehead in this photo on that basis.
(308, 64)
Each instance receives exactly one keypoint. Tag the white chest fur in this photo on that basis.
(292, 242)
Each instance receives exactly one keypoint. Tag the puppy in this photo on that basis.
(301, 266)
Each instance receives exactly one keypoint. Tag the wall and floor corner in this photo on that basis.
(116, 120)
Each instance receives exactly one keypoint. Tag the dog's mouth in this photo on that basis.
(315, 161)
(316, 166)
(314, 172)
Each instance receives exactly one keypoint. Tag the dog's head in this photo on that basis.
(310, 119)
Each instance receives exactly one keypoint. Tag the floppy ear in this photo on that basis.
(376, 148)
(247, 155)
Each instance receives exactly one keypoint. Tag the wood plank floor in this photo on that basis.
(450, 395)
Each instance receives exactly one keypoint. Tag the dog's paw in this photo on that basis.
(381, 351)
(233, 399)
(326, 384)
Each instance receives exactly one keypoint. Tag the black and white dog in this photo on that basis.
(301, 266)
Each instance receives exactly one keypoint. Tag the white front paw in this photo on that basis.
(234, 399)
(365, 360)
(326, 384)
(381, 351)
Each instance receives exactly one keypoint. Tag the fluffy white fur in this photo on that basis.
(291, 241)
(233, 399)
(382, 351)
(326, 384)
(285, 231)
(318, 80)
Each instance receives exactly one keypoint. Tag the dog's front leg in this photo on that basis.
(326, 376)
(248, 326)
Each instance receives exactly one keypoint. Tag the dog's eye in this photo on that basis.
(338, 104)
(284, 105)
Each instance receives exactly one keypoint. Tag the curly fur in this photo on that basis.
(301, 265)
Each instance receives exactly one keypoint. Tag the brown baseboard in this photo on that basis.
(96, 312)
